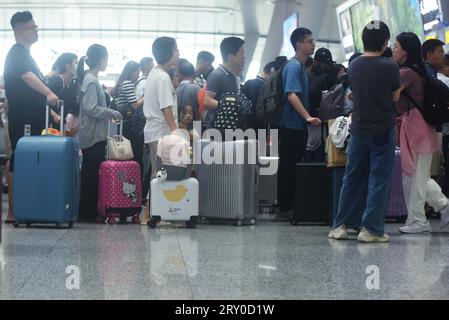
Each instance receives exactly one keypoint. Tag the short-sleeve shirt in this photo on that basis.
(187, 94)
(67, 94)
(414, 86)
(126, 97)
(295, 79)
(252, 88)
(373, 81)
(159, 94)
(140, 87)
(220, 82)
(26, 106)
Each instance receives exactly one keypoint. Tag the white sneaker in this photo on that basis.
(416, 228)
(367, 237)
(444, 222)
(341, 233)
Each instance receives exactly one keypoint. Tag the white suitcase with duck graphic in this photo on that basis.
(174, 201)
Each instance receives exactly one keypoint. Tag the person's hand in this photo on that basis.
(117, 116)
(313, 121)
(56, 118)
(52, 99)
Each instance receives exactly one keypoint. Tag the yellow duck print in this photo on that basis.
(175, 195)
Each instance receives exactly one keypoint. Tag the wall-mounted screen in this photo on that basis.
(399, 15)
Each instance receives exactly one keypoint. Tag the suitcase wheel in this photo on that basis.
(28, 225)
(58, 225)
(293, 222)
(252, 221)
(123, 219)
(152, 223)
(239, 223)
(136, 220)
(111, 221)
(71, 223)
(16, 224)
(190, 224)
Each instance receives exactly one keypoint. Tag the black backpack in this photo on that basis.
(270, 100)
(231, 110)
(436, 102)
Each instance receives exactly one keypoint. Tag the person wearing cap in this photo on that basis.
(321, 78)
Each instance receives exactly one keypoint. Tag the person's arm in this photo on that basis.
(292, 88)
(91, 108)
(397, 94)
(136, 105)
(168, 114)
(128, 89)
(209, 101)
(167, 102)
(401, 79)
(36, 84)
(299, 107)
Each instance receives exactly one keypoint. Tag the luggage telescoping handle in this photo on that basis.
(60, 104)
(120, 126)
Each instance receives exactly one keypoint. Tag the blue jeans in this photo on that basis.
(367, 183)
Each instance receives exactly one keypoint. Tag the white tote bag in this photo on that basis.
(119, 148)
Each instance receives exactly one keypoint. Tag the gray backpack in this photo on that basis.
(332, 103)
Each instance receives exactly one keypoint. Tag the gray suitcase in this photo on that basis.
(228, 191)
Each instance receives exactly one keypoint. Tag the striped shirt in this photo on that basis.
(127, 94)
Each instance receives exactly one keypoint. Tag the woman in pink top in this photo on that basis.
(418, 140)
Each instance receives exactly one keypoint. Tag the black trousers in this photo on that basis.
(446, 165)
(92, 158)
(292, 146)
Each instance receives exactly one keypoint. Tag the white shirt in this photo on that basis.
(140, 88)
(443, 79)
(159, 94)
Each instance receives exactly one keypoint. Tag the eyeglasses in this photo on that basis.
(34, 28)
(313, 42)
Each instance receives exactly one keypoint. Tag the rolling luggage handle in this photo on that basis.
(118, 148)
(60, 104)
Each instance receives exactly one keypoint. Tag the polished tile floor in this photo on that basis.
(268, 261)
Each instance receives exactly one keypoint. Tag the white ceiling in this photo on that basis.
(127, 26)
(178, 16)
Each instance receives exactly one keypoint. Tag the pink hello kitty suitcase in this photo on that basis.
(120, 191)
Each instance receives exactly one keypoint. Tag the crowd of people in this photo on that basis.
(159, 95)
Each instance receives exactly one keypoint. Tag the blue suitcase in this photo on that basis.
(46, 180)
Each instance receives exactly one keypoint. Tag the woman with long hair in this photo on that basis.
(418, 140)
(94, 117)
(129, 105)
(63, 84)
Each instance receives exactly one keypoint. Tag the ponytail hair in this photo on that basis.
(93, 58)
(80, 72)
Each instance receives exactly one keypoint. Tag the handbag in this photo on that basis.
(119, 148)
(335, 157)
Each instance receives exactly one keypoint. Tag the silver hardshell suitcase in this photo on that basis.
(228, 190)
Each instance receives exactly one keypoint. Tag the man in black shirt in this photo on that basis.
(252, 88)
(226, 78)
(25, 88)
(375, 84)
(203, 67)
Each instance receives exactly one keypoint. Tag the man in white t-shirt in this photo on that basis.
(146, 65)
(160, 103)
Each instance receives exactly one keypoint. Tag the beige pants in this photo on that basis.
(153, 158)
